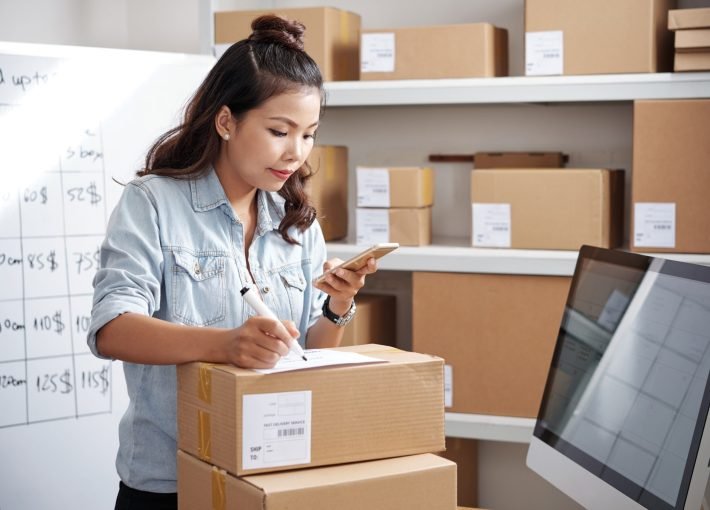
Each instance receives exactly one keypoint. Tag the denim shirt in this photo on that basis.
(174, 249)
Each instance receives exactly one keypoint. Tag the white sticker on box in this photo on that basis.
(491, 225)
(276, 429)
(544, 53)
(448, 386)
(377, 53)
(654, 225)
(372, 226)
(373, 187)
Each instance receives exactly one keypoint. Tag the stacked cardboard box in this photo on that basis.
(434, 52)
(328, 189)
(550, 209)
(374, 322)
(692, 38)
(332, 36)
(394, 205)
(234, 425)
(671, 176)
(597, 36)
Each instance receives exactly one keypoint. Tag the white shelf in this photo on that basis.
(489, 428)
(454, 255)
(520, 89)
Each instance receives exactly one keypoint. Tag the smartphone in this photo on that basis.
(359, 260)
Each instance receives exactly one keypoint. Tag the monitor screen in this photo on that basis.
(626, 397)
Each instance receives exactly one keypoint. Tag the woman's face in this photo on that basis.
(270, 142)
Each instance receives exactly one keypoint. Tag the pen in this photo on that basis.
(260, 307)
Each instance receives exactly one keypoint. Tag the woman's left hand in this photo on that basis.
(343, 284)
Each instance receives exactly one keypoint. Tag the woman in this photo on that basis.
(219, 206)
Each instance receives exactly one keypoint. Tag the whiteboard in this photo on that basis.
(71, 121)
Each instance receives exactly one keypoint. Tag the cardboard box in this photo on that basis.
(419, 481)
(464, 452)
(496, 334)
(692, 39)
(395, 187)
(484, 160)
(332, 36)
(682, 19)
(356, 413)
(433, 52)
(374, 321)
(671, 177)
(547, 208)
(692, 61)
(408, 227)
(597, 36)
(328, 189)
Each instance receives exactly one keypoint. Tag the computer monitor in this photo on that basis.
(623, 419)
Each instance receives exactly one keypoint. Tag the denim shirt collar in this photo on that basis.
(208, 193)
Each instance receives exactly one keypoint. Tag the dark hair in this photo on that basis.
(269, 62)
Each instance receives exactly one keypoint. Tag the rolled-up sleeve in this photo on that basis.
(318, 257)
(131, 270)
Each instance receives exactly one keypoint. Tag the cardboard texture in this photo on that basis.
(556, 209)
(497, 332)
(432, 52)
(607, 36)
(328, 189)
(670, 165)
(692, 39)
(419, 481)
(484, 160)
(408, 186)
(464, 452)
(681, 19)
(359, 412)
(695, 61)
(374, 322)
(332, 36)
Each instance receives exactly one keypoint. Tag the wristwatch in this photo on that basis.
(338, 320)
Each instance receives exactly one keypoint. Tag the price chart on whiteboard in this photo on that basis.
(52, 221)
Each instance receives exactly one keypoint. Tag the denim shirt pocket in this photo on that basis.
(199, 294)
(294, 284)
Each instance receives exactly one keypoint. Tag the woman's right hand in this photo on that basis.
(260, 342)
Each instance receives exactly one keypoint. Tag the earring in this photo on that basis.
(226, 136)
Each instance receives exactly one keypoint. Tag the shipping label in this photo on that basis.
(377, 53)
(373, 187)
(654, 225)
(491, 225)
(544, 53)
(372, 226)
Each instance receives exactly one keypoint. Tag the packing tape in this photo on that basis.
(204, 435)
(204, 385)
(329, 163)
(344, 27)
(219, 497)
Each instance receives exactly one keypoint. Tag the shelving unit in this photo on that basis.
(490, 428)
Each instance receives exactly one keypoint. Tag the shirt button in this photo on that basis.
(265, 290)
(197, 268)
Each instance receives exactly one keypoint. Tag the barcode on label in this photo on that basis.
(378, 229)
(298, 431)
(662, 227)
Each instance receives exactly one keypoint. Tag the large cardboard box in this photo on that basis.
(395, 187)
(692, 61)
(328, 189)
(547, 208)
(597, 36)
(408, 227)
(332, 36)
(683, 19)
(484, 160)
(671, 177)
(419, 481)
(432, 52)
(496, 334)
(331, 415)
(464, 452)
(374, 322)
(692, 39)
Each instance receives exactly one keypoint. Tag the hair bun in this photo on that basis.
(273, 29)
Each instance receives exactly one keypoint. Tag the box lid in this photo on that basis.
(679, 19)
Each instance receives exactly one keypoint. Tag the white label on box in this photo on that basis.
(448, 385)
(373, 187)
(544, 53)
(377, 53)
(654, 225)
(491, 225)
(276, 429)
(372, 226)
